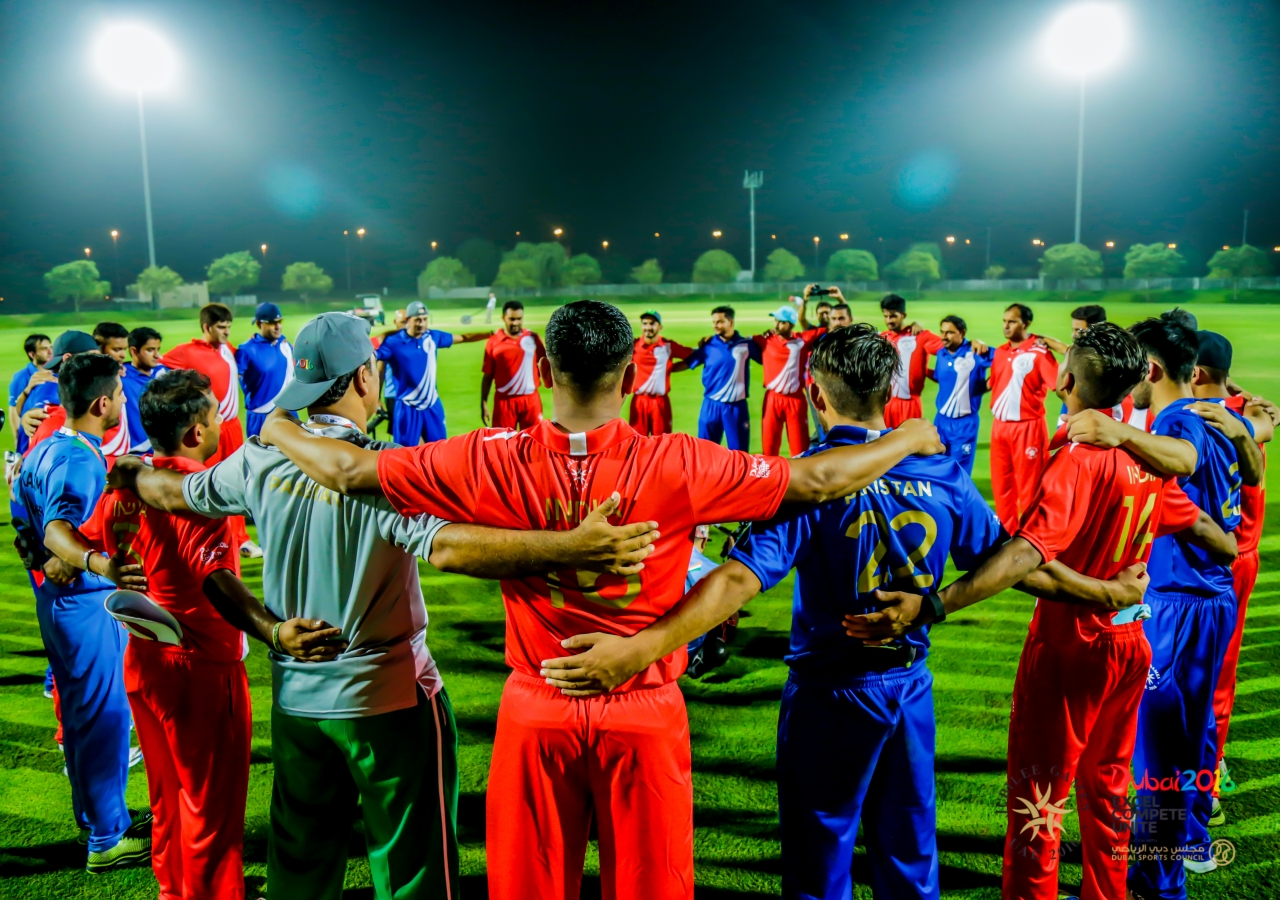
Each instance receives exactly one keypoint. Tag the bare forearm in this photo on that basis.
(712, 600)
(161, 488)
(238, 605)
(13, 421)
(1249, 454)
(1054, 581)
(842, 470)
(497, 553)
(1006, 567)
(1173, 456)
(338, 465)
(1221, 546)
(485, 383)
(65, 542)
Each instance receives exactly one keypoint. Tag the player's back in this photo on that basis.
(543, 478)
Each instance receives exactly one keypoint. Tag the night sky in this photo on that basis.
(891, 122)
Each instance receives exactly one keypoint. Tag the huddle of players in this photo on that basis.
(903, 513)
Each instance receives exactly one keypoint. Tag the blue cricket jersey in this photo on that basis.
(1176, 566)
(962, 376)
(135, 382)
(18, 383)
(63, 478)
(264, 368)
(412, 364)
(894, 534)
(724, 372)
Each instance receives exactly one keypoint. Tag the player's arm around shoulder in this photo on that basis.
(338, 465)
(841, 471)
(1170, 455)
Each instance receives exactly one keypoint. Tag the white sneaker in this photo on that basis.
(135, 756)
(1199, 867)
(250, 550)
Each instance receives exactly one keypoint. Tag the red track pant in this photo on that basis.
(517, 412)
(623, 758)
(1074, 718)
(651, 414)
(1245, 574)
(787, 410)
(897, 411)
(1019, 453)
(194, 724)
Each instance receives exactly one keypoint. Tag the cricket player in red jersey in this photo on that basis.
(1084, 665)
(190, 701)
(511, 363)
(914, 349)
(1213, 371)
(785, 353)
(622, 758)
(655, 358)
(1022, 374)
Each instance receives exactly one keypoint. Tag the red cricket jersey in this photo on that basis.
(178, 551)
(513, 362)
(218, 365)
(785, 359)
(1020, 378)
(545, 479)
(914, 351)
(115, 441)
(653, 365)
(1121, 412)
(1097, 510)
(1253, 500)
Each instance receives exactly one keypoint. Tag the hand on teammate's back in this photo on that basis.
(925, 435)
(617, 549)
(32, 418)
(897, 616)
(59, 573)
(311, 640)
(1218, 416)
(1092, 426)
(1266, 407)
(124, 574)
(1129, 587)
(605, 661)
(124, 474)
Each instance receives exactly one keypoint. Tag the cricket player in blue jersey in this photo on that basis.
(56, 493)
(265, 364)
(725, 358)
(143, 366)
(410, 354)
(39, 350)
(961, 369)
(40, 391)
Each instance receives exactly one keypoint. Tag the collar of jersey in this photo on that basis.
(582, 443)
(508, 337)
(92, 440)
(853, 434)
(177, 463)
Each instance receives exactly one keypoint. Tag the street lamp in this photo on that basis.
(558, 232)
(87, 252)
(134, 58)
(753, 181)
(816, 239)
(715, 234)
(1084, 40)
(604, 245)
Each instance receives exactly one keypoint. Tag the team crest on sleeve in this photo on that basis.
(760, 467)
(213, 554)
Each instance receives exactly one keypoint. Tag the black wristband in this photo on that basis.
(939, 611)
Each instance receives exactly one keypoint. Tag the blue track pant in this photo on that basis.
(860, 749)
(960, 436)
(1177, 738)
(411, 426)
(86, 652)
(728, 419)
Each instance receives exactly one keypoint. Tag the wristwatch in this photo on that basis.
(935, 603)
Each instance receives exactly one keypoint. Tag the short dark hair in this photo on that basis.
(172, 403)
(213, 313)
(339, 387)
(845, 307)
(1091, 314)
(855, 365)
(84, 378)
(510, 305)
(822, 303)
(29, 345)
(1216, 375)
(588, 342)
(1178, 314)
(1107, 362)
(1171, 342)
(893, 303)
(958, 322)
(140, 335)
(726, 311)
(1024, 312)
(107, 331)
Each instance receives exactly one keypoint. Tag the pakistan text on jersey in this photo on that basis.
(892, 488)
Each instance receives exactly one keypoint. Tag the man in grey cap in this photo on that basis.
(373, 724)
(410, 354)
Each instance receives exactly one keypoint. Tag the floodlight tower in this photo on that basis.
(1084, 40)
(134, 58)
(751, 181)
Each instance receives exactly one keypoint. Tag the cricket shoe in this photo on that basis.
(1200, 866)
(133, 849)
(1225, 783)
(135, 756)
(1217, 815)
(250, 550)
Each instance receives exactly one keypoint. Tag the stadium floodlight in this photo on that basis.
(1083, 41)
(132, 57)
(752, 182)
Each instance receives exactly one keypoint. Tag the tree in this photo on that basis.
(516, 275)
(1152, 261)
(481, 258)
(917, 266)
(306, 278)
(1239, 262)
(445, 273)
(581, 269)
(716, 267)
(994, 272)
(230, 273)
(76, 281)
(156, 280)
(648, 272)
(1070, 261)
(783, 265)
(852, 265)
(548, 260)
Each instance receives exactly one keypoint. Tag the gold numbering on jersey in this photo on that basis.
(876, 572)
(586, 584)
(1147, 537)
(1230, 509)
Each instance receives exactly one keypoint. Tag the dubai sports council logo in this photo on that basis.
(759, 467)
(1043, 812)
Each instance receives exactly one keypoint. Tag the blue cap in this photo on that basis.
(416, 308)
(267, 312)
(786, 314)
(72, 342)
(1215, 350)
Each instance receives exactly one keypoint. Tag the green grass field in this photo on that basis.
(733, 711)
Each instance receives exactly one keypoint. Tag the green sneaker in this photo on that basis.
(1217, 816)
(129, 851)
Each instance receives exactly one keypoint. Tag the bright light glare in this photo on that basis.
(134, 58)
(1085, 39)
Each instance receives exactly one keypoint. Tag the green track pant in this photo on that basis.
(402, 768)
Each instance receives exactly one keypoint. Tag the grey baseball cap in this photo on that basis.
(416, 308)
(329, 346)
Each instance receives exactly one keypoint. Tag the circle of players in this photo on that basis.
(1139, 537)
